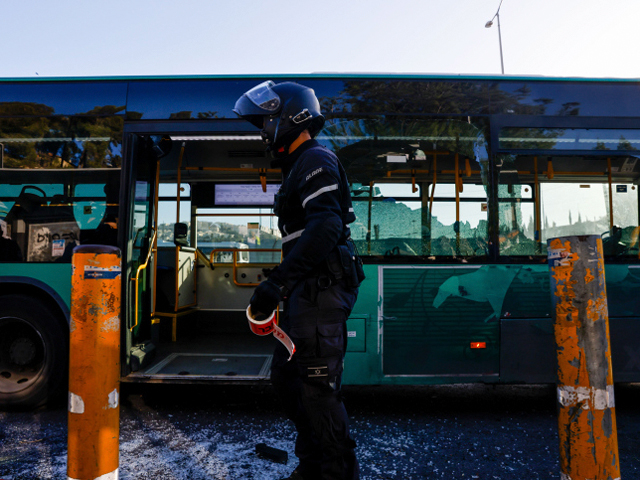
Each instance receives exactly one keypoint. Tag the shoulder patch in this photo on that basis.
(314, 173)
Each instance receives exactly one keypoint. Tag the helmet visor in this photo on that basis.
(264, 97)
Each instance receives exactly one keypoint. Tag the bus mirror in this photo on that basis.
(180, 231)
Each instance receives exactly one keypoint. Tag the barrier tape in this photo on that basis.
(265, 327)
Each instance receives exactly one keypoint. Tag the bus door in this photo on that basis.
(139, 247)
(201, 237)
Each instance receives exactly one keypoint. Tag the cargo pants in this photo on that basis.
(309, 385)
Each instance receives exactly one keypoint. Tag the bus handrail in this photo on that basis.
(137, 277)
(235, 261)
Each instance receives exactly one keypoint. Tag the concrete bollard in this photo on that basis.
(586, 407)
(94, 364)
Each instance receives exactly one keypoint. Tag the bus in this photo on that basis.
(457, 183)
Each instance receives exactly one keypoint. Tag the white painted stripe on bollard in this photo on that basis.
(113, 399)
(76, 404)
(601, 399)
(107, 476)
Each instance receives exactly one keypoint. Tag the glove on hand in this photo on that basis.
(265, 298)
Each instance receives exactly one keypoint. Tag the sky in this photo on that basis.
(566, 38)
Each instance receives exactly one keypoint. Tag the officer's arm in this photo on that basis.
(319, 182)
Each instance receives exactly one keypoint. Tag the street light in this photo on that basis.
(489, 24)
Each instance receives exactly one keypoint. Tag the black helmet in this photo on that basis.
(282, 112)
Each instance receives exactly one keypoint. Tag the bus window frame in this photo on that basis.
(498, 122)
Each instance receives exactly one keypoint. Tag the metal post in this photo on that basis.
(500, 40)
(586, 407)
(94, 364)
(489, 24)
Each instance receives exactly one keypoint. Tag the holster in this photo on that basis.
(344, 263)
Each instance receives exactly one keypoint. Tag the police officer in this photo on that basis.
(317, 278)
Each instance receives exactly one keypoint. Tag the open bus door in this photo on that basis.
(201, 234)
(139, 247)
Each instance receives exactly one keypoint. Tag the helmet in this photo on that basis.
(282, 111)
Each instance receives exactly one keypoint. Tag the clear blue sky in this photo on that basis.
(585, 38)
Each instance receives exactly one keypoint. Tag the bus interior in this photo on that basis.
(213, 238)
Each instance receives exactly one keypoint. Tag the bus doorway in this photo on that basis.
(212, 238)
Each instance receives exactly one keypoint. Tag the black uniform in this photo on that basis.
(314, 210)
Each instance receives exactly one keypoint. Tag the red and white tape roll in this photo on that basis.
(267, 326)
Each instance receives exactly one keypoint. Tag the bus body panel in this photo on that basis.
(520, 343)
(51, 281)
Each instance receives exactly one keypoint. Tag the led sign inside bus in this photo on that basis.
(244, 194)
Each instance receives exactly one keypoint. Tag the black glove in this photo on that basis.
(266, 298)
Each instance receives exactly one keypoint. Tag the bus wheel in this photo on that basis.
(33, 353)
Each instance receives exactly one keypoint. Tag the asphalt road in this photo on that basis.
(451, 432)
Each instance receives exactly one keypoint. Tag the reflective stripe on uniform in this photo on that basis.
(319, 192)
(293, 236)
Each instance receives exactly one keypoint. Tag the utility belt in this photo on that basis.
(342, 265)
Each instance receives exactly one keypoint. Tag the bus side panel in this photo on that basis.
(56, 276)
(528, 354)
(527, 349)
(625, 349)
(623, 285)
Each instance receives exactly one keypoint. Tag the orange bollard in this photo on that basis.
(586, 407)
(94, 364)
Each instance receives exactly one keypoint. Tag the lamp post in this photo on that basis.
(489, 24)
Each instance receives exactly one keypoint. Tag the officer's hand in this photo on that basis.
(265, 298)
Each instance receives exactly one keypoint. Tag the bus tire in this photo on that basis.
(33, 353)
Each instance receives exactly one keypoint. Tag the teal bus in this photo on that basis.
(457, 183)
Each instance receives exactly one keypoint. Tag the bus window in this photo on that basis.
(543, 198)
(516, 217)
(54, 172)
(45, 221)
(225, 252)
(395, 220)
(583, 209)
(420, 185)
(402, 222)
(466, 236)
(239, 229)
(167, 211)
(62, 142)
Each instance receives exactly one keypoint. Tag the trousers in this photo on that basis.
(309, 385)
